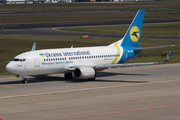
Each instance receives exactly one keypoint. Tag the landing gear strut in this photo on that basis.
(24, 80)
(68, 75)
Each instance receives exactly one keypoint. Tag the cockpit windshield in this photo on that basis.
(20, 60)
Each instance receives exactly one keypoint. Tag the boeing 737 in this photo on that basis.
(83, 62)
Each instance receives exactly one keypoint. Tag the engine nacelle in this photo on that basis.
(84, 72)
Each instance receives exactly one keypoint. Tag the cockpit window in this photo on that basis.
(15, 59)
(20, 60)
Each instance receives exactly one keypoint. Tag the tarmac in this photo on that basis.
(131, 93)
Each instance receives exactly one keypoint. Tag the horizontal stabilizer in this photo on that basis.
(146, 48)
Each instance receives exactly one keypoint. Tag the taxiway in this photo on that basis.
(132, 93)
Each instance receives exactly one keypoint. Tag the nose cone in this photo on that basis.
(10, 67)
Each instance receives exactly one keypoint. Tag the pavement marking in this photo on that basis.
(85, 89)
(5, 29)
(9, 86)
(55, 29)
(126, 111)
(165, 74)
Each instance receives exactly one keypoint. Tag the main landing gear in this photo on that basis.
(24, 80)
(68, 75)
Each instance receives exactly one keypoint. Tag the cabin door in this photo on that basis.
(36, 61)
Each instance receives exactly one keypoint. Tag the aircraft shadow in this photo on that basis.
(106, 74)
(42, 79)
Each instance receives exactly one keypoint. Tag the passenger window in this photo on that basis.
(21, 60)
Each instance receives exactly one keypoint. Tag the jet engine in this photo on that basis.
(84, 72)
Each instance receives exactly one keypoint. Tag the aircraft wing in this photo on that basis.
(133, 64)
(71, 68)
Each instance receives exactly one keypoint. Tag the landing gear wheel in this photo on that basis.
(24, 80)
(68, 75)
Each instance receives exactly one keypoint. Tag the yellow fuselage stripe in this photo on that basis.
(118, 52)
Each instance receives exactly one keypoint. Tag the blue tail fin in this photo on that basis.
(33, 47)
(133, 34)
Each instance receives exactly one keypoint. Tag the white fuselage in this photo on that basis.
(49, 61)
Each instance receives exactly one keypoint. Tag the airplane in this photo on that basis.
(83, 62)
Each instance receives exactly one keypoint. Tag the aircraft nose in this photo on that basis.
(10, 67)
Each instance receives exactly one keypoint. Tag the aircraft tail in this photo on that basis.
(33, 47)
(133, 34)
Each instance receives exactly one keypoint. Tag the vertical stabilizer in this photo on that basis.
(133, 34)
(33, 47)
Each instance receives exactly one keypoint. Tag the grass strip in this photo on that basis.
(14, 19)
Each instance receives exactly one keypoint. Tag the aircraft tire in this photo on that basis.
(68, 75)
(24, 80)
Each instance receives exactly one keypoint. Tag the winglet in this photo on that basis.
(169, 56)
(33, 47)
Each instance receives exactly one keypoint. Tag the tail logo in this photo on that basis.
(134, 33)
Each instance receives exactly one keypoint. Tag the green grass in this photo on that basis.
(159, 29)
(10, 46)
(9, 19)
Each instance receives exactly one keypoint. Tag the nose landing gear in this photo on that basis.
(24, 80)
